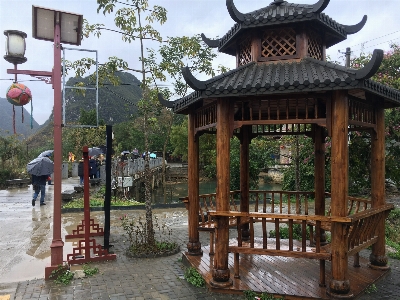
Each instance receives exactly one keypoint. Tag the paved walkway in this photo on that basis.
(124, 278)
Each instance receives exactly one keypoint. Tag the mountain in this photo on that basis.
(6, 120)
(116, 104)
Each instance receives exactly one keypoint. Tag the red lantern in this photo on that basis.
(19, 94)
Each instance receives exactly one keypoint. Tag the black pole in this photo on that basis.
(107, 198)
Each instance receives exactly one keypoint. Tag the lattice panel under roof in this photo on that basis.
(278, 42)
(245, 52)
(314, 48)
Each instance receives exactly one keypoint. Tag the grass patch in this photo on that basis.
(89, 271)
(99, 202)
(62, 275)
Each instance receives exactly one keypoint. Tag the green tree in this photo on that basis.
(388, 74)
(12, 157)
(88, 117)
(134, 21)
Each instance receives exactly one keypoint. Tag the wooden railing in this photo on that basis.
(290, 208)
(288, 202)
(360, 230)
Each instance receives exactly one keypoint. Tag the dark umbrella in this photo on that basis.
(95, 151)
(46, 153)
(40, 166)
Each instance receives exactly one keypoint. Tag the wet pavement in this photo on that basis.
(25, 238)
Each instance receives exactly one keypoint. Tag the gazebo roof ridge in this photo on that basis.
(279, 13)
(306, 75)
(364, 73)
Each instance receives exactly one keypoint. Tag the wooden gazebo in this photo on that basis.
(284, 85)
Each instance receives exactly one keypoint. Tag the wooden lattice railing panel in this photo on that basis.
(206, 116)
(361, 112)
(245, 52)
(278, 42)
(278, 109)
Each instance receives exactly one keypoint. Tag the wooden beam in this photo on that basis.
(378, 256)
(280, 216)
(194, 245)
(339, 283)
(221, 273)
(285, 253)
(244, 176)
(319, 174)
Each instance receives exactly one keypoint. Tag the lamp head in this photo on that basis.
(15, 46)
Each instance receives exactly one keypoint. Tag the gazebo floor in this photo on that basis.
(292, 278)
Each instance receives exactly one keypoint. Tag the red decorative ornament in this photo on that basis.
(19, 94)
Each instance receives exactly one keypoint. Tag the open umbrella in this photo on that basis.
(40, 166)
(46, 153)
(153, 155)
(125, 152)
(95, 151)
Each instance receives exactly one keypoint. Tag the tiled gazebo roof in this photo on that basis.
(307, 75)
(281, 12)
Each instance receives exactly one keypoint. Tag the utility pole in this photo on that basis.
(347, 53)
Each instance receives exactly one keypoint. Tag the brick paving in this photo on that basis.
(153, 278)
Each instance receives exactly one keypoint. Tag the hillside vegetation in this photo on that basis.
(6, 120)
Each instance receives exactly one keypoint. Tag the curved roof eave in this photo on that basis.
(285, 13)
(308, 75)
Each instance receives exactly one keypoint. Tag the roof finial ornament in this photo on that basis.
(236, 15)
(192, 81)
(320, 6)
(277, 2)
(350, 29)
(372, 66)
(209, 42)
(168, 104)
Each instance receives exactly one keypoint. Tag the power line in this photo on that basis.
(384, 42)
(375, 38)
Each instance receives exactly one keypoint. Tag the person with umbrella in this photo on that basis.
(40, 168)
(39, 186)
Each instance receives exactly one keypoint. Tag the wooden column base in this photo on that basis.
(339, 289)
(339, 296)
(194, 248)
(378, 262)
(221, 279)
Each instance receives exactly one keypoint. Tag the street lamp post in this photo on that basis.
(59, 27)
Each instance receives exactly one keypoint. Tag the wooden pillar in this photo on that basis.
(221, 274)
(244, 176)
(319, 171)
(378, 258)
(194, 245)
(339, 284)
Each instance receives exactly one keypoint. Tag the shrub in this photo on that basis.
(194, 277)
(136, 230)
(62, 275)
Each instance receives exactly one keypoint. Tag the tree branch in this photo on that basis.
(134, 36)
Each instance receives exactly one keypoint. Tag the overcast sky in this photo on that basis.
(185, 17)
